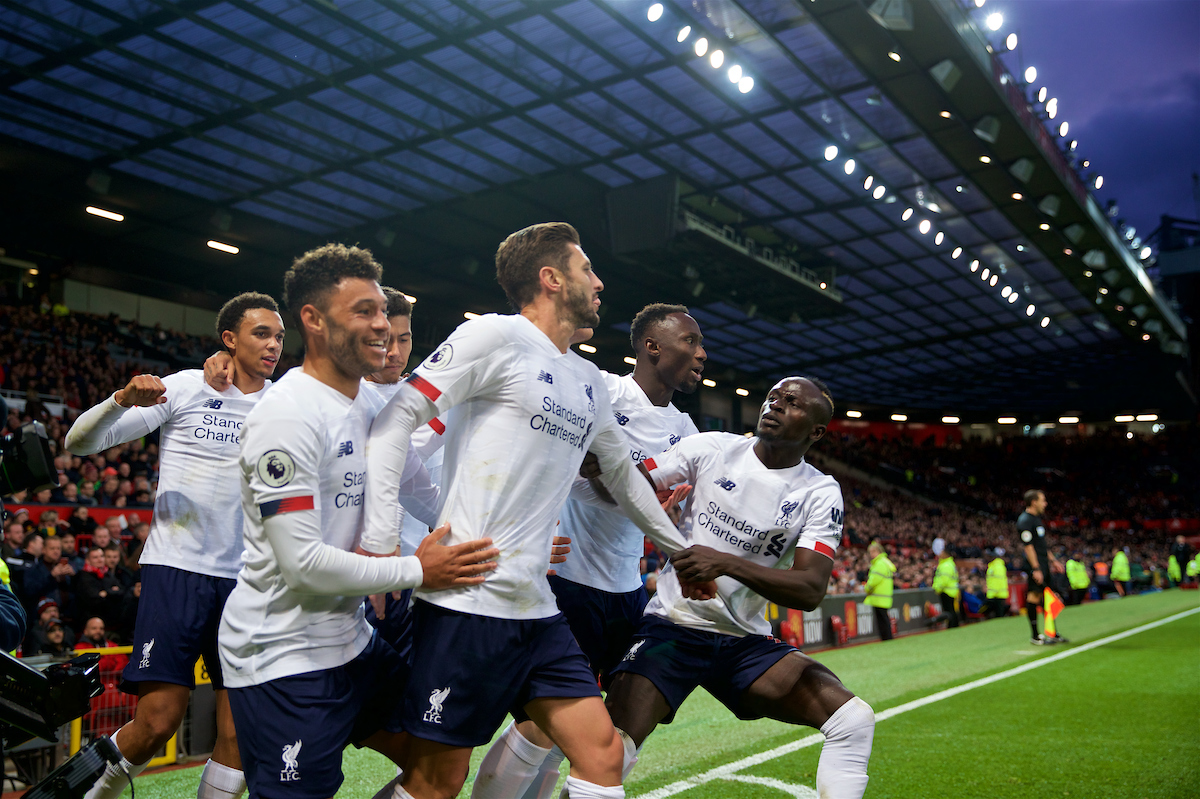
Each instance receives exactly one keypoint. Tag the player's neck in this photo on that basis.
(658, 392)
(245, 382)
(318, 365)
(545, 317)
(780, 454)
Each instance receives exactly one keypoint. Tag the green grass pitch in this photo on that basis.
(1119, 720)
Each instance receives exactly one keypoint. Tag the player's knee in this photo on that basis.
(161, 725)
(853, 722)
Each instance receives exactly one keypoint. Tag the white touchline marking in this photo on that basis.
(728, 770)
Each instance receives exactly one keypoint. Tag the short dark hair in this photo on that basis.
(397, 303)
(315, 275)
(233, 312)
(1032, 494)
(522, 255)
(825, 392)
(112, 546)
(653, 314)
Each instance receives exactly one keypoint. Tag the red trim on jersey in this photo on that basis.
(650, 464)
(822, 547)
(287, 505)
(437, 426)
(424, 386)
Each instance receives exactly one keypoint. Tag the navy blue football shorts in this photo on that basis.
(603, 622)
(396, 626)
(291, 731)
(677, 660)
(177, 620)
(470, 671)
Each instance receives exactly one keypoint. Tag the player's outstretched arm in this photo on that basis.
(106, 424)
(452, 566)
(801, 587)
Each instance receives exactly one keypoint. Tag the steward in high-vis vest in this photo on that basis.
(945, 583)
(879, 589)
(1120, 571)
(997, 585)
(1193, 569)
(1077, 576)
(1174, 573)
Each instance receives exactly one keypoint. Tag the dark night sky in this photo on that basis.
(1127, 77)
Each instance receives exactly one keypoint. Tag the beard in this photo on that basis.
(579, 310)
(347, 352)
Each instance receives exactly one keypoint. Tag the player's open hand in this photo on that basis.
(218, 371)
(670, 499)
(143, 390)
(559, 549)
(461, 564)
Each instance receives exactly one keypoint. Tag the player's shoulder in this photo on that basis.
(185, 382)
(1026, 521)
(289, 400)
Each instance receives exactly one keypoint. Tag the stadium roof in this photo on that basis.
(429, 129)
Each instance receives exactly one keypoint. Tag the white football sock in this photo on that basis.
(400, 793)
(509, 766)
(219, 781)
(114, 779)
(630, 757)
(544, 781)
(842, 769)
(579, 789)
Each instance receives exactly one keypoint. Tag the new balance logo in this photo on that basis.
(622, 419)
(839, 516)
(436, 699)
(546, 377)
(725, 483)
(211, 403)
(345, 448)
(145, 664)
(633, 650)
(291, 771)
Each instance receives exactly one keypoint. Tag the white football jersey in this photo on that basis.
(739, 506)
(605, 545)
(304, 447)
(526, 414)
(197, 519)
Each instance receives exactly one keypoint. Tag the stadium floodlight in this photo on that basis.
(1013, 297)
(1018, 195)
(1145, 337)
(701, 46)
(995, 279)
(471, 315)
(1147, 417)
(1052, 107)
(684, 32)
(945, 115)
(974, 265)
(985, 274)
(654, 12)
(1074, 144)
(854, 414)
(831, 152)
(1063, 128)
(924, 226)
(103, 214)
(849, 167)
(1124, 417)
(745, 84)
(411, 299)
(1030, 74)
(950, 420)
(1043, 226)
(588, 348)
(867, 183)
(979, 3)
(985, 159)
(824, 285)
(709, 383)
(939, 238)
(1145, 253)
(1068, 420)
(630, 361)
(957, 252)
(1011, 41)
(892, 54)
(1004, 292)
(1007, 420)
(1045, 321)
(899, 417)
(735, 73)
(741, 392)
(223, 247)
(994, 21)
(1030, 310)
(1099, 181)
(907, 215)
(717, 58)
(880, 190)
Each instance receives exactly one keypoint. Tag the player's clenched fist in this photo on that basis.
(461, 564)
(143, 390)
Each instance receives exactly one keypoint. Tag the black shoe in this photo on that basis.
(1057, 639)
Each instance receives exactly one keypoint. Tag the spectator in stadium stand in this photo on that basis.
(945, 583)
(47, 615)
(81, 521)
(133, 550)
(113, 556)
(1181, 555)
(95, 636)
(69, 552)
(104, 535)
(1077, 577)
(997, 585)
(98, 592)
(14, 539)
(52, 639)
(1120, 570)
(879, 589)
(49, 577)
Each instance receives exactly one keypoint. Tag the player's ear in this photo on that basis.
(551, 278)
(312, 318)
(229, 339)
(817, 433)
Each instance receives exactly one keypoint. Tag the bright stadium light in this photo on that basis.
(907, 215)
(1007, 420)
(924, 226)
(717, 58)
(995, 279)
(974, 266)
(411, 299)
(709, 383)
(957, 252)
(831, 152)
(470, 315)
(849, 167)
(1030, 310)
(103, 214)
(741, 392)
(684, 32)
(1043, 226)
(1068, 420)
(1030, 74)
(588, 348)
(1013, 297)
(979, 3)
(939, 238)
(985, 274)
(1011, 41)
(1124, 417)
(223, 247)
(894, 55)
(735, 73)
(1147, 417)
(1052, 107)
(1145, 253)
(994, 21)
(1004, 292)
(880, 190)
(1063, 128)
(654, 12)
(1074, 144)
(701, 46)
(985, 159)
(1099, 181)
(745, 84)
(950, 420)
(630, 361)
(854, 414)
(899, 417)
(1145, 337)
(1042, 94)
(867, 183)
(1045, 321)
